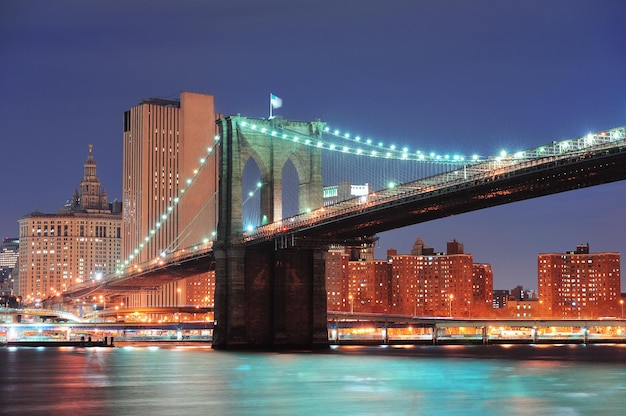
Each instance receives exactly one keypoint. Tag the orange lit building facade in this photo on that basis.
(424, 283)
(579, 284)
(166, 143)
(432, 285)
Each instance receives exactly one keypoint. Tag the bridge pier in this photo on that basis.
(270, 299)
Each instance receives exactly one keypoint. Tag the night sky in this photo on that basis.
(457, 76)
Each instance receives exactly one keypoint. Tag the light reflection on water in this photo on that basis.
(341, 381)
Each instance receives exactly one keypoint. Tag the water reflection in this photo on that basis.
(341, 381)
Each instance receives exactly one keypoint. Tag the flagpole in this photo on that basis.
(270, 106)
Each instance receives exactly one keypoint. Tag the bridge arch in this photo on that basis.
(267, 298)
(239, 143)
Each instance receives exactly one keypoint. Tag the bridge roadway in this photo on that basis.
(343, 329)
(550, 169)
(554, 168)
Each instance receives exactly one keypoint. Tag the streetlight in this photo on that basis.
(451, 296)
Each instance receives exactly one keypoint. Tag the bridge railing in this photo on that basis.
(468, 175)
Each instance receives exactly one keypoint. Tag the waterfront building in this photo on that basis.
(80, 242)
(164, 142)
(579, 284)
(369, 285)
(481, 303)
(337, 279)
(500, 298)
(432, 285)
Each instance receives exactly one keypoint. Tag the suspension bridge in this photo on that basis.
(274, 224)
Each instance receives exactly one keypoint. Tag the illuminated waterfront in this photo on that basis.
(347, 380)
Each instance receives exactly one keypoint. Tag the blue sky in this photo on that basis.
(459, 76)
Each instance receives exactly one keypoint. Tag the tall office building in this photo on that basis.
(80, 242)
(9, 251)
(579, 284)
(166, 144)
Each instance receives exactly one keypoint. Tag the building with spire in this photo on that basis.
(81, 242)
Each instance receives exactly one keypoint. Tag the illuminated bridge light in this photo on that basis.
(374, 152)
(320, 144)
(336, 132)
(345, 149)
(391, 185)
(332, 147)
(164, 217)
(420, 156)
(393, 147)
(296, 138)
(216, 138)
(202, 161)
(253, 127)
(380, 144)
(503, 153)
(263, 130)
(388, 154)
(244, 124)
(404, 155)
(188, 181)
(357, 138)
(347, 135)
(359, 151)
(307, 141)
(326, 129)
(368, 141)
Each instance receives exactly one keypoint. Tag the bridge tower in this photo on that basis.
(267, 296)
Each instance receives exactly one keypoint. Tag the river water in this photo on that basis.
(417, 380)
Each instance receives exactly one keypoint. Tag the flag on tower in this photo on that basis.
(275, 102)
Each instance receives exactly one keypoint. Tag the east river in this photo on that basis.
(417, 380)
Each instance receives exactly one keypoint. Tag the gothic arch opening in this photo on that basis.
(251, 196)
(290, 184)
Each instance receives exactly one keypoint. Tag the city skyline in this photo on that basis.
(465, 78)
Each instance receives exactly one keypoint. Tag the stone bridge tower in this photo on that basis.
(267, 297)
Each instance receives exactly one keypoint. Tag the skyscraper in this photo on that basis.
(80, 242)
(579, 284)
(166, 143)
